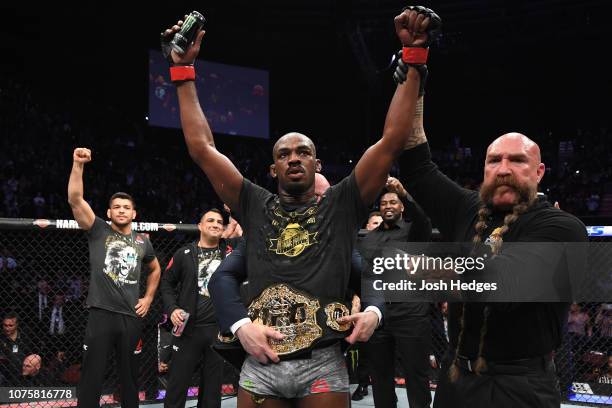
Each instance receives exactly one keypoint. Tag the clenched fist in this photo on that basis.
(81, 155)
(410, 27)
(417, 26)
(395, 186)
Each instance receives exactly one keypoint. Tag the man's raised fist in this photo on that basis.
(81, 155)
(417, 26)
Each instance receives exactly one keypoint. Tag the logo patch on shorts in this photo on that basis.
(319, 386)
(248, 384)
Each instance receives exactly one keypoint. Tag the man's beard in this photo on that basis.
(122, 224)
(525, 193)
(392, 220)
(297, 188)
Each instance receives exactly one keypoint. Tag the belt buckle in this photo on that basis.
(289, 312)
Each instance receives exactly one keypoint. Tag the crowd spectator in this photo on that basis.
(606, 378)
(577, 329)
(602, 329)
(32, 374)
(170, 188)
(7, 262)
(15, 345)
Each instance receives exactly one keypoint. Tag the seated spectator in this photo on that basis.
(55, 317)
(593, 203)
(602, 329)
(57, 329)
(7, 262)
(74, 288)
(374, 220)
(43, 298)
(14, 346)
(607, 377)
(577, 328)
(577, 320)
(32, 374)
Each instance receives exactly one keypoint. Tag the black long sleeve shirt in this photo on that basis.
(417, 230)
(514, 331)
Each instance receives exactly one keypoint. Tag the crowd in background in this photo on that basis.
(36, 156)
(38, 139)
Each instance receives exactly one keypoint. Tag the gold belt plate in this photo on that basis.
(289, 312)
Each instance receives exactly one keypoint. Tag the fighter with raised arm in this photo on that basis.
(116, 255)
(298, 248)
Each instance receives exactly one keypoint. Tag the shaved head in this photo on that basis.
(293, 135)
(529, 145)
(512, 171)
(31, 365)
(295, 165)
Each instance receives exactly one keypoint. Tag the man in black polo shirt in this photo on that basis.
(500, 353)
(407, 327)
(116, 255)
(184, 288)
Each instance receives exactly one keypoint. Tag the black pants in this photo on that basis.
(107, 331)
(148, 361)
(363, 366)
(503, 386)
(187, 351)
(410, 337)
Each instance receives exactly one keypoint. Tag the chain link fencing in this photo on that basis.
(44, 266)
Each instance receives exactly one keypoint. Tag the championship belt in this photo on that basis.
(289, 312)
(298, 316)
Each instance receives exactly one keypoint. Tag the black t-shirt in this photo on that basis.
(307, 247)
(514, 330)
(208, 261)
(116, 262)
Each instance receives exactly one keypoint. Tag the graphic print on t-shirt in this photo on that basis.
(208, 261)
(293, 237)
(121, 261)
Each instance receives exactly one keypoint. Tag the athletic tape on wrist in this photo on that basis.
(415, 55)
(182, 73)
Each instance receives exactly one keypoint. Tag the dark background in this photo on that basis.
(531, 66)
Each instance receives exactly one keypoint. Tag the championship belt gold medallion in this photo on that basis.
(289, 312)
(335, 310)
